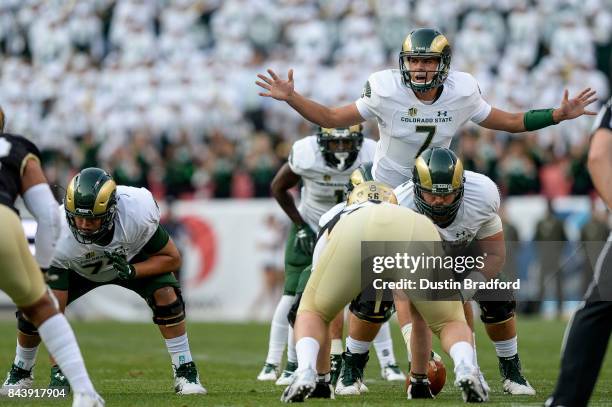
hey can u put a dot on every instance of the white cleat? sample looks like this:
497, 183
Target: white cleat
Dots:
87, 400
285, 378
484, 383
187, 380
469, 382
515, 388
17, 378
304, 382
353, 389
269, 373
392, 373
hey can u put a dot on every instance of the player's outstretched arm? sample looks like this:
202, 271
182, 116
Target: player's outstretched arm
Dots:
538, 119
324, 116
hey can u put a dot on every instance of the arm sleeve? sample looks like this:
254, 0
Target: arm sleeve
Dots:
42, 205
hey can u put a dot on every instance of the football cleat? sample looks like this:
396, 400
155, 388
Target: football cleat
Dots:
392, 373
419, 389
17, 378
513, 381
322, 390
58, 380
286, 377
268, 373
336, 365
187, 380
467, 379
87, 400
483, 381
304, 383
350, 381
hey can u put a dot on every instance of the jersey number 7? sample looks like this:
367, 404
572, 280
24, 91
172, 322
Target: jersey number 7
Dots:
430, 130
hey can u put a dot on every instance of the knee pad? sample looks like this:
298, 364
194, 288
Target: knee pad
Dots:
370, 311
495, 312
169, 314
24, 326
292, 314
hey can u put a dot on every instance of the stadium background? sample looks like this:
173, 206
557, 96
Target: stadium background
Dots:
161, 94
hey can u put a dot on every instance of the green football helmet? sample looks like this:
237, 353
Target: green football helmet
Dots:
425, 43
91, 194
438, 171
361, 174
340, 146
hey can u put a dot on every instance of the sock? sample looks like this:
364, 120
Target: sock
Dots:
178, 348
462, 353
407, 334
291, 355
324, 378
25, 357
475, 361
307, 350
384, 346
355, 346
278, 330
507, 348
59, 339
336, 347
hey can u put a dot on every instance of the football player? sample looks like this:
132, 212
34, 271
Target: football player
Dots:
22, 279
422, 104
323, 163
464, 207
371, 214
111, 235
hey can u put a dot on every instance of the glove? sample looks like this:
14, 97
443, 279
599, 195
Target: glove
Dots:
125, 271
305, 240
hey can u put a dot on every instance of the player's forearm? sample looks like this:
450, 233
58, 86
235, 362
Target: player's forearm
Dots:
493, 265
313, 111
287, 203
156, 265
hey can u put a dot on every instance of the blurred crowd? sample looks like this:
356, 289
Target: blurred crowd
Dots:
162, 93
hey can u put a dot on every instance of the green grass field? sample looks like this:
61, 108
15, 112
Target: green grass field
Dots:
130, 367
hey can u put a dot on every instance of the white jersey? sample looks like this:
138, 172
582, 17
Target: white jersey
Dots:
136, 221
477, 216
323, 186
408, 126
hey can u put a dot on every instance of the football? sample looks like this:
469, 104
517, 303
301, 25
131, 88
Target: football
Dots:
436, 373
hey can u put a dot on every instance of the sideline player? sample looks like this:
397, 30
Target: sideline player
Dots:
22, 279
371, 214
422, 104
111, 235
588, 333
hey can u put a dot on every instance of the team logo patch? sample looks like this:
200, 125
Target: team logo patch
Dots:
412, 111
326, 178
367, 90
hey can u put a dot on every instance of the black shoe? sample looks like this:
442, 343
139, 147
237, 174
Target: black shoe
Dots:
419, 389
323, 390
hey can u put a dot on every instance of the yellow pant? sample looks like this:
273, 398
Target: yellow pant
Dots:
336, 276
20, 276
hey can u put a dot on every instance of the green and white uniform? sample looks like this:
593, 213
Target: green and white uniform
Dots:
137, 235
323, 187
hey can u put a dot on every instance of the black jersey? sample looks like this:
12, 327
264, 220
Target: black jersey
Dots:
14, 153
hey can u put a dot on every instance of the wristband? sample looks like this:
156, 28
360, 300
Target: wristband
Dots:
538, 119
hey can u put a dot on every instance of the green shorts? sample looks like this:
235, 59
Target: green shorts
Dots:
295, 262
77, 285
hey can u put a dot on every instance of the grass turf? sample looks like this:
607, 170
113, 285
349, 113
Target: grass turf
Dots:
130, 366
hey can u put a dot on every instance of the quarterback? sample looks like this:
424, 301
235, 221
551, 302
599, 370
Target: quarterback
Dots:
111, 235
371, 214
323, 162
421, 104
21, 175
